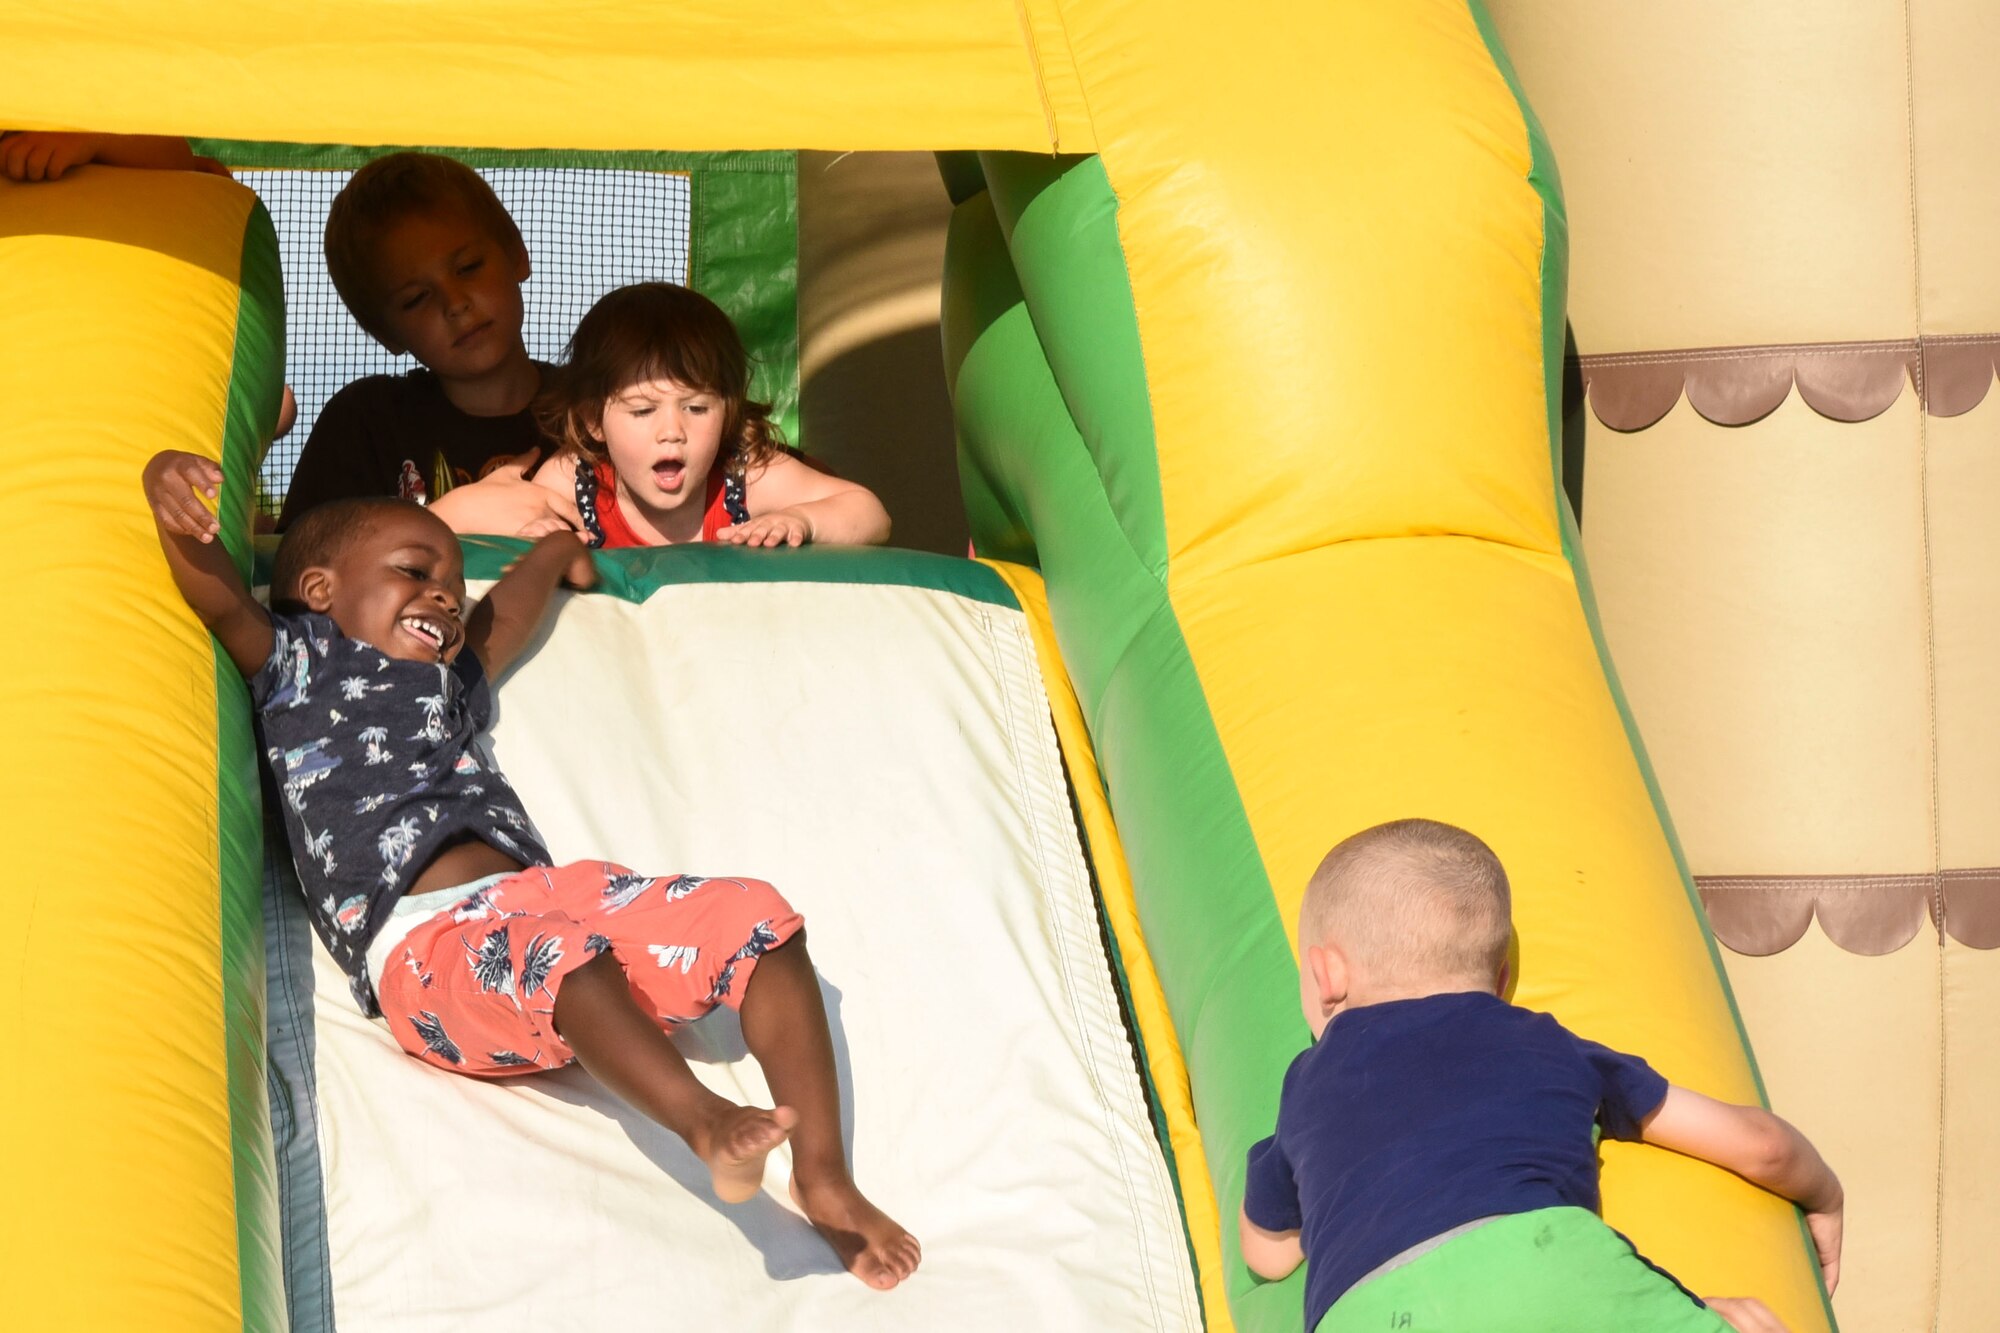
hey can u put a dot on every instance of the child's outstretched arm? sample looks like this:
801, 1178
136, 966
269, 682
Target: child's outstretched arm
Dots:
792, 503
1762, 1149
39, 155
507, 503
201, 568
507, 617
1268, 1254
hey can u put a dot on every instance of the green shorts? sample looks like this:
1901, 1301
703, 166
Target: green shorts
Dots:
1555, 1270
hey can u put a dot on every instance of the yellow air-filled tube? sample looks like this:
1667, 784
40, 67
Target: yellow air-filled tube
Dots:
120, 321
695, 74
1351, 405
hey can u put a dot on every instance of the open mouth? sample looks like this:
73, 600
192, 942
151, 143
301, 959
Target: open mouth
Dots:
433, 634
668, 474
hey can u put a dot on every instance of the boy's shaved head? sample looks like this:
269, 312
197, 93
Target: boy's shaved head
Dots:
1413, 902
322, 533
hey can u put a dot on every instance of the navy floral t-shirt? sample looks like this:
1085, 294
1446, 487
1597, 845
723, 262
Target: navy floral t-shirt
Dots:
379, 768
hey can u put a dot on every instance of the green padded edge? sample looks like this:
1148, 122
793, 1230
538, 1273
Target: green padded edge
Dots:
1547, 183
636, 573
743, 242
961, 173
1203, 892
255, 383
1060, 218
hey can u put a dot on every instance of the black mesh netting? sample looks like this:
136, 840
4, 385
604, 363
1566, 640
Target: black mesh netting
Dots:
587, 229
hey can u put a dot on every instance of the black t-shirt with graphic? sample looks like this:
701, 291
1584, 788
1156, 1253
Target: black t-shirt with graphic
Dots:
382, 433
379, 767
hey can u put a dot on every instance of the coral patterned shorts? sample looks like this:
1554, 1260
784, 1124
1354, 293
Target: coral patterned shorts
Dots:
472, 988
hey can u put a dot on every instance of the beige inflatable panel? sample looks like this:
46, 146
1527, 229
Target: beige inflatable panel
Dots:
1964, 455
1773, 198
1954, 57
1762, 593
1969, 1279
1777, 126
1850, 1051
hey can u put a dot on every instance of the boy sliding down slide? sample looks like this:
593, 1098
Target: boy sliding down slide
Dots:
1434, 1161
430, 887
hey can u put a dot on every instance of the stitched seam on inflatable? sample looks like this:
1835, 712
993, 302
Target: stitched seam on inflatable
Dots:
1016, 744
1930, 672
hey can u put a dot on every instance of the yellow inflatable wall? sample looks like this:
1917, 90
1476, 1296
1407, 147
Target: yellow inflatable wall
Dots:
137, 1142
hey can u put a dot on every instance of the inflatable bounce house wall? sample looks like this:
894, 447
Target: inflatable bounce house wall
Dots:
1264, 463
1786, 297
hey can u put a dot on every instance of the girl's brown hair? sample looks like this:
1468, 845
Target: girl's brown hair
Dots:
656, 331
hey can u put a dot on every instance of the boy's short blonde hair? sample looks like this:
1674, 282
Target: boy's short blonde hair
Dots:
385, 192
1413, 902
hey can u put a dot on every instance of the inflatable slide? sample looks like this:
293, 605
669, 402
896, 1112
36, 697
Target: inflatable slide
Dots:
871, 730
1269, 454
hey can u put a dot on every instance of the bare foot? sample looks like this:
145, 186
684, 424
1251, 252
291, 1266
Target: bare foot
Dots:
869, 1242
737, 1144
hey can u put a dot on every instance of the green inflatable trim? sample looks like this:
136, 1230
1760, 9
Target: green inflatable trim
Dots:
744, 257
744, 242
964, 178
637, 573
1060, 219
1547, 183
1204, 897
255, 383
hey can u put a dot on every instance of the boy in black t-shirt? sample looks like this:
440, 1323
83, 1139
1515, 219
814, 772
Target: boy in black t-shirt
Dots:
1434, 1156
429, 262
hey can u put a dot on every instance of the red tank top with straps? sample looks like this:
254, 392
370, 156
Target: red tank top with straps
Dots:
715, 515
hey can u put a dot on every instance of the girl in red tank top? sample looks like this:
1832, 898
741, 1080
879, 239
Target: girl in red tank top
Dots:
659, 441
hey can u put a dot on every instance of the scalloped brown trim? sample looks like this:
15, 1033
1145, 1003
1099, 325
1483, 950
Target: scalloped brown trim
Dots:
1865, 914
1734, 386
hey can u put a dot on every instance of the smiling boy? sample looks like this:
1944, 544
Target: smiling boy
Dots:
370, 675
429, 262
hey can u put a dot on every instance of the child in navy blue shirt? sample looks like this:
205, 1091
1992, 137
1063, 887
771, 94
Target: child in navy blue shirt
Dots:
1434, 1154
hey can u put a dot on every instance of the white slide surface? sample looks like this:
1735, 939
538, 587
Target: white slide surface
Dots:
883, 755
